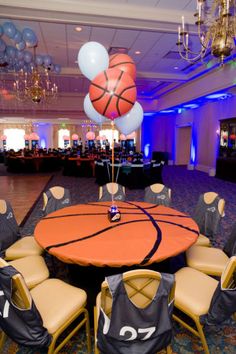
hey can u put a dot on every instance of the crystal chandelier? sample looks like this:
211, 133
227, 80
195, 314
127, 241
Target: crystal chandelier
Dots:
35, 86
216, 31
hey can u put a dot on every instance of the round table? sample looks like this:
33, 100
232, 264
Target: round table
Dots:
146, 233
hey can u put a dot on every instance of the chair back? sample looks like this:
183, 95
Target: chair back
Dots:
106, 191
20, 318
228, 277
56, 198
208, 213
144, 300
9, 229
230, 245
141, 286
158, 194
223, 302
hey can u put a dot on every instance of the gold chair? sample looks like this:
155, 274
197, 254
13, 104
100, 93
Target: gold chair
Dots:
141, 285
209, 197
33, 269
157, 188
208, 260
58, 192
112, 188
60, 306
193, 293
25, 246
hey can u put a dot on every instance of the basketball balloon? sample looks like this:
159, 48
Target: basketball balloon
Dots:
123, 62
112, 93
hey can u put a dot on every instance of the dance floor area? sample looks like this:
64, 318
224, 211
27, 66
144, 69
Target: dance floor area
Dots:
186, 187
22, 192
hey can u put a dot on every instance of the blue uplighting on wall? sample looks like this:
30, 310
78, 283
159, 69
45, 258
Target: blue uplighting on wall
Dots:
193, 147
43, 143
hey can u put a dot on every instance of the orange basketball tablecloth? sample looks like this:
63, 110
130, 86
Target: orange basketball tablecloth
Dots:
146, 233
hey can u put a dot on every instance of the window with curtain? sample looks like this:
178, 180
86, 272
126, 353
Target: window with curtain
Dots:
15, 138
108, 134
61, 133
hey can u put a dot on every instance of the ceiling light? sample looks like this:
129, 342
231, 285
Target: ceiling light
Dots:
217, 95
176, 67
191, 105
167, 111
78, 29
137, 52
216, 30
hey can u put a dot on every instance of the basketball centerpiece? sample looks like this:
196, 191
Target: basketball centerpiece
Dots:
112, 94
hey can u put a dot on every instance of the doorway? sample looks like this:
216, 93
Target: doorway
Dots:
182, 145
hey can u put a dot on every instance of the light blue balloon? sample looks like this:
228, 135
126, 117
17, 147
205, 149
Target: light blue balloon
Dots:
32, 43
29, 37
9, 29
20, 46
92, 59
91, 112
39, 59
19, 54
17, 37
57, 68
28, 57
21, 64
2, 45
6, 58
1, 31
11, 51
130, 121
47, 59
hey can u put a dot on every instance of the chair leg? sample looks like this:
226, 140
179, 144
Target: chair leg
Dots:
88, 335
3, 338
96, 351
202, 337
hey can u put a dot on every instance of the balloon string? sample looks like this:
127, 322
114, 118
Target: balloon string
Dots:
112, 163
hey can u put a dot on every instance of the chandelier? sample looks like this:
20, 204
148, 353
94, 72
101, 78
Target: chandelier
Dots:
35, 85
216, 31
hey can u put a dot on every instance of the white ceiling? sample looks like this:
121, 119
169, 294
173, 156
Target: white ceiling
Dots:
148, 26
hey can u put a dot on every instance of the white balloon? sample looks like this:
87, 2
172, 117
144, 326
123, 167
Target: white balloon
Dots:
91, 111
131, 120
92, 59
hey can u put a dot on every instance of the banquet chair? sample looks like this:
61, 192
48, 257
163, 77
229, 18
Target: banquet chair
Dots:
209, 221
12, 244
106, 191
56, 198
193, 296
156, 172
61, 307
33, 269
211, 260
141, 286
158, 194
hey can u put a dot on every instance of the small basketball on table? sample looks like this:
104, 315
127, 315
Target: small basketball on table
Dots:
113, 93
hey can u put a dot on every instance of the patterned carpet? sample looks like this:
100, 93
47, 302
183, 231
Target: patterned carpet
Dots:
186, 187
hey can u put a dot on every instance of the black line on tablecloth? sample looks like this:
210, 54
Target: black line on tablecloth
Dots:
158, 237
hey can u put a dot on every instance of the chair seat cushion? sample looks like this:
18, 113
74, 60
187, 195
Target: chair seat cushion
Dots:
26, 246
202, 241
49, 297
33, 269
208, 260
193, 291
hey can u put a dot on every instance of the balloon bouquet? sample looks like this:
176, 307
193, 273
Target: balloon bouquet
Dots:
112, 92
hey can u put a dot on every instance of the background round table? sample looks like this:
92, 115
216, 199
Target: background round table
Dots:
146, 233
